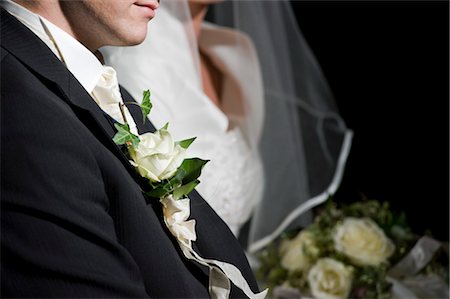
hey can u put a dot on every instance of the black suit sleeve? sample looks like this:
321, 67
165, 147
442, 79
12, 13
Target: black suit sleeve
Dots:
57, 238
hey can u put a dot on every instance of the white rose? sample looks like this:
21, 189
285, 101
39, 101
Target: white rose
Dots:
362, 241
330, 279
297, 253
157, 157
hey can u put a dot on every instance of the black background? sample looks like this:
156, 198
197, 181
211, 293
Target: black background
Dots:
387, 65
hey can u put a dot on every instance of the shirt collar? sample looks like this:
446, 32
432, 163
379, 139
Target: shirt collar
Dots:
81, 62
28, 18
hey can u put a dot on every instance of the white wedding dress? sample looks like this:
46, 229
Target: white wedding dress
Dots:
233, 181
291, 123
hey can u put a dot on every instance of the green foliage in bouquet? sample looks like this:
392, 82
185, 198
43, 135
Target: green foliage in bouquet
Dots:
346, 252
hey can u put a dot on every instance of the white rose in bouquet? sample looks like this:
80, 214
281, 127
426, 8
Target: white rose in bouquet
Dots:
330, 279
363, 241
157, 156
296, 254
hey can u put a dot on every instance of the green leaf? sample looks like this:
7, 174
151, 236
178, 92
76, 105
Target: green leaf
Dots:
146, 104
166, 126
188, 171
186, 143
184, 190
177, 179
124, 136
157, 193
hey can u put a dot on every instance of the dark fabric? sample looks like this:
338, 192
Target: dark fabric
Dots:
74, 222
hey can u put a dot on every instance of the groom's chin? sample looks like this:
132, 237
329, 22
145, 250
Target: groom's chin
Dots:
136, 41
137, 34
132, 38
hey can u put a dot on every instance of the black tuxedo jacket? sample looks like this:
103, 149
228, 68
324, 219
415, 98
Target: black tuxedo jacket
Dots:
74, 222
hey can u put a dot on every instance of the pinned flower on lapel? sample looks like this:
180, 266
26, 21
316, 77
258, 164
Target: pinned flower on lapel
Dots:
157, 157
161, 160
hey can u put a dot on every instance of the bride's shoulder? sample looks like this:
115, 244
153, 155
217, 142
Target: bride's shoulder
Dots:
224, 34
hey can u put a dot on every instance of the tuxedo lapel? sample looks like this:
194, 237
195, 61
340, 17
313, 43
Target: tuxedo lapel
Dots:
22, 43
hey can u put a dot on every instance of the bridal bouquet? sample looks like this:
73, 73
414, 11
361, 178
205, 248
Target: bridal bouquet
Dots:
348, 252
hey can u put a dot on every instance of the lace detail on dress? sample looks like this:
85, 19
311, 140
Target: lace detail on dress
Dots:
232, 182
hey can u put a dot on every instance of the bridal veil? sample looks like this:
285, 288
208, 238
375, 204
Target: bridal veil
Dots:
302, 140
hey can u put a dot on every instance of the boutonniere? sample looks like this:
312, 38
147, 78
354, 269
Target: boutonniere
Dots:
159, 159
171, 177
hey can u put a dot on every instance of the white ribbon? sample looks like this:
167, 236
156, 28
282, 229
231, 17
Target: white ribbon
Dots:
419, 256
407, 283
176, 213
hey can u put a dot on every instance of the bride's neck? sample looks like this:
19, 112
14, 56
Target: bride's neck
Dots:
198, 13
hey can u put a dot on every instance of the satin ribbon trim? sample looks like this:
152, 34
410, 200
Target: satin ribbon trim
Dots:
221, 274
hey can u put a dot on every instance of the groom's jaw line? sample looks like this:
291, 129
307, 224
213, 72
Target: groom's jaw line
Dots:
98, 23
111, 23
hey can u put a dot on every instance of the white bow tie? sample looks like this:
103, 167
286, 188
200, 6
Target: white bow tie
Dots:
107, 96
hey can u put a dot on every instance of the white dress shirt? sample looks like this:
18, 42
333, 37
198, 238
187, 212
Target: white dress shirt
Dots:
98, 80
81, 62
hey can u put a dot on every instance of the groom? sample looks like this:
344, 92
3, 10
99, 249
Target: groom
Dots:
74, 222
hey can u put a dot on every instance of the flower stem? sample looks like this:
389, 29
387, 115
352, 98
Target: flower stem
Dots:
123, 113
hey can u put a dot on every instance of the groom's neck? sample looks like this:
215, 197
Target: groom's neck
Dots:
51, 10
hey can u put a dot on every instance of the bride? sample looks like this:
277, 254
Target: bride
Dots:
254, 96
